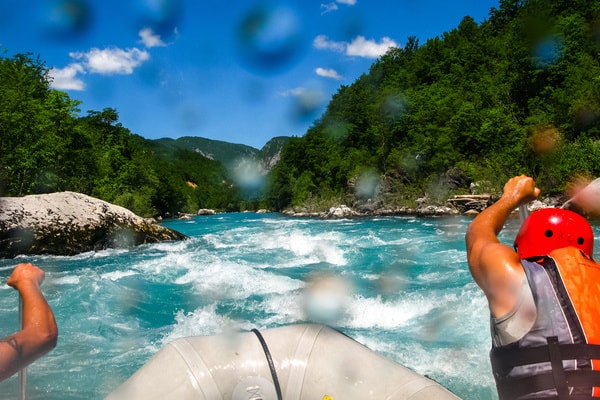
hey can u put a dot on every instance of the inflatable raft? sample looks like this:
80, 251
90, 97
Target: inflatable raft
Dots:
309, 362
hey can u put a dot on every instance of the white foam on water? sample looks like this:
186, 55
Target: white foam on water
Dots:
204, 321
282, 309
235, 280
116, 275
242, 272
320, 248
379, 314
175, 246
66, 280
168, 265
310, 247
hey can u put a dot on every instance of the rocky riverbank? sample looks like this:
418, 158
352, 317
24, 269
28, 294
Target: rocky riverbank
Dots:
69, 223
456, 205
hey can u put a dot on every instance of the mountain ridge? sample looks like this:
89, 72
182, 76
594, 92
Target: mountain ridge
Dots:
232, 155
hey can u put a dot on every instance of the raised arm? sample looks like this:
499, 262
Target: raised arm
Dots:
39, 332
496, 267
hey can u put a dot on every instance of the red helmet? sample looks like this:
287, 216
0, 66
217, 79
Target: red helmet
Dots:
553, 228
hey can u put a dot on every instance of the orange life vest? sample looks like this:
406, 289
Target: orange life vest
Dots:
560, 354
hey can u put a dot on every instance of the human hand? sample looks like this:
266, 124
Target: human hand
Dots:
521, 189
25, 273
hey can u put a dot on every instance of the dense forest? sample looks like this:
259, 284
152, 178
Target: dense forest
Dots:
47, 147
518, 93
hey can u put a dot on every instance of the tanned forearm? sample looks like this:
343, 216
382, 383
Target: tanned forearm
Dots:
38, 336
496, 267
38, 320
488, 224
39, 332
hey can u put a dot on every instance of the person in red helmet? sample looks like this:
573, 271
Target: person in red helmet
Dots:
543, 297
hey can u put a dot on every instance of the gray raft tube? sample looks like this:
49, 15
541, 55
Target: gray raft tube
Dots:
304, 362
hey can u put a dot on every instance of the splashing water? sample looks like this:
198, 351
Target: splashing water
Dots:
401, 287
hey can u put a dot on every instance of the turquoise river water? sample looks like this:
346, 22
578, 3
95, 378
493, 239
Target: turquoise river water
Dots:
407, 294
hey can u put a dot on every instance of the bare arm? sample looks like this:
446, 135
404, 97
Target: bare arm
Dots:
496, 267
39, 333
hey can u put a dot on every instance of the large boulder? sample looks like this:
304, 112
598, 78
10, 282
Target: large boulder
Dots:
69, 223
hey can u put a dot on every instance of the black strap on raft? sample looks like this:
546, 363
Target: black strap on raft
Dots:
582, 379
270, 362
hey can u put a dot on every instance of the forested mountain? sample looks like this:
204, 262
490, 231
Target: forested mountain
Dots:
519, 93
246, 166
46, 147
231, 155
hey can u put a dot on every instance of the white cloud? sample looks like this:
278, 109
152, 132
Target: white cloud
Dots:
65, 78
303, 93
150, 39
328, 73
322, 42
332, 6
108, 61
295, 92
329, 7
112, 61
369, 48
360, 46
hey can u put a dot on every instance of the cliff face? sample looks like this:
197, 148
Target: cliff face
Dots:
69, 223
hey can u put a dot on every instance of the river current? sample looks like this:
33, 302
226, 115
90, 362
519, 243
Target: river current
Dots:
403, 290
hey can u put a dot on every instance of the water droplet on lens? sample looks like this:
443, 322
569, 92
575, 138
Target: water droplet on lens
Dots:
162, 16
394, 107
367, 184
307, 104
269, 38
547, 51
67, 19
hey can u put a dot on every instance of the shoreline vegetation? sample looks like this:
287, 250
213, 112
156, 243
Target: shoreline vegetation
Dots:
468, 205
69, 223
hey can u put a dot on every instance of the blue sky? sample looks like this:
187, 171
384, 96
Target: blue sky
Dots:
238, 71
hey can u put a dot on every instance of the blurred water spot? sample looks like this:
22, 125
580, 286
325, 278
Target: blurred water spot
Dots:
367, 184
547, 51
163, 16
352, 26
253, 91
394, 107
586, 116
189, 116
248, 174
326, 298
576, 183
393, 280
544, 139
337, 130
66, 19
306, 104
435, 322
269, 38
